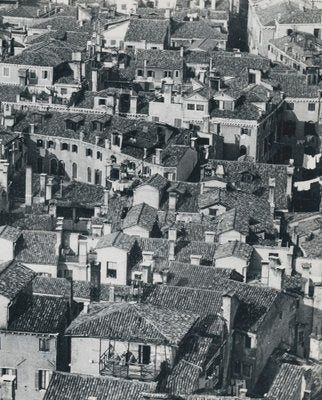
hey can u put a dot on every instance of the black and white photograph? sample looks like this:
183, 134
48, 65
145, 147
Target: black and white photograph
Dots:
160, 199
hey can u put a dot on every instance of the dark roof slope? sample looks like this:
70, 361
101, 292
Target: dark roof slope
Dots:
133, 322
141, 215
169, 59
196, 30
43, 315
14, 277
65, 386
287, 383
9, 233
116, 239
153, 31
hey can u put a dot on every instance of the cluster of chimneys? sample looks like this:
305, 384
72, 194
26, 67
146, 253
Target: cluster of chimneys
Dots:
273, 273
45, 190
47, 10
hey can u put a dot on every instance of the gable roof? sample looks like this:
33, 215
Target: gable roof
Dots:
170, 59
38, 247
14, 277
66, 386
9, 233
117, 239
43, 315
287, 383
196, 30
133, 322
153, 31
235, 249
142, 215
157, 181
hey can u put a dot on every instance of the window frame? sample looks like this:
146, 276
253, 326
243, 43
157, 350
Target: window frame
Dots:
44, 344
111, 273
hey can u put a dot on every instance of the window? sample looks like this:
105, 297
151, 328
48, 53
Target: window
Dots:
89, 152
176, 74
74, 171
89, 175
32, 74
316, 33
212, 211
311, 107
151, 74
44, 344
61, 168
42, 379
245, 131
200, 107
281, 315
123, 6
144, 354
113, 42
248, 342
190, 106
97, 126
140, 72
228, 105
40, 143
155, 119
167, 74
44, 74
218, 129
290, 106
111, 270
101, 102
177, 122
10, 372
64, 146
51, 144
281, 57
99, 155
247, 370
74, 148
5, 71
63, 91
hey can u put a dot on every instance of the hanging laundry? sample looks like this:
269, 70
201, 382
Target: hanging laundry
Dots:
309, 162
305, 185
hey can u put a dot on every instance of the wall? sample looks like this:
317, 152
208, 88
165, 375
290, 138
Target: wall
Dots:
13, 77
86, 353
21, 352
43, 269
146, 194
284, 253
4, 304
316, 270
231, 236
115, 33
119, 256
7, 250
166, 112
137, 231
232, 262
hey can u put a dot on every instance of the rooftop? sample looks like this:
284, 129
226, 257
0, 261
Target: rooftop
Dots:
170, 59
9, 233
116, 239
14, 277
133, 322
141, 215
151, 30
65, 386
287, 383
313, 246
196, 30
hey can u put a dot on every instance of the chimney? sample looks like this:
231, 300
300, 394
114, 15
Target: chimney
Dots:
97, 139
34, 98
49, 188
207, 151
193, 142
59, 230
306, 273
82, 251
97, 211
290, 173
86, 307
210, 237
145, 153
205, 124
158, 156
7, 387
70, 298
242, 393
167, 13
195, 259
181, 51
165, 275
107, 227
271, 194
276, 273
43, 181
133, 102
172, 246
106, 199
230, 304
28, 194
172, 234
107, 144
265, 272
111, 294
18, 98
94, 80
32, 129
147, 256
172, 201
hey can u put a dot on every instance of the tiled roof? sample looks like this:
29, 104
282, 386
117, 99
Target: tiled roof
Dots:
287, 383
307, 16
183, 274
133, 322
65, 386
196, 30
234, 172
313, 247
116, 239
43, 315
141, 215
172, 155
21, 12
234, 249
38, 247
62, 23
153, 31
60, 287
255, 301
157, 181
187, 193
267, 15
81, 194
295, 85
160, 247
14, 277
9, 233
9, 92
166, 59
185, 249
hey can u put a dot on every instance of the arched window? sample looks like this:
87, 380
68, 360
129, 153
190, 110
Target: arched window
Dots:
64, 146
51, 144
39, 165
40, 143
98, 177
89, 175
99, 155
242, 151
74, 171
89, 152
53, 166
74, 148
61, 168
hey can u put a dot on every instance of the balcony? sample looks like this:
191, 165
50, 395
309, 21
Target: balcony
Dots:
118, 366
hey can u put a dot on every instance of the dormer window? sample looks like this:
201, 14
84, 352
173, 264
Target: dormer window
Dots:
116, 139
97, 126
102, 102
228, 105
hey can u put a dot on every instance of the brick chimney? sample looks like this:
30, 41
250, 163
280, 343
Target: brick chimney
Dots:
276, 273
